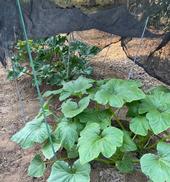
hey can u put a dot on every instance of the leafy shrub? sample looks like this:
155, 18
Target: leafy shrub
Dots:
160, 14
55, 60
89, 129
157, 10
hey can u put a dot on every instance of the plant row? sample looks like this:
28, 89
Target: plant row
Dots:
86, 127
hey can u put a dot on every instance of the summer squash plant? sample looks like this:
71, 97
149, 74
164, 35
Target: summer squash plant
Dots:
86, 127
55, 60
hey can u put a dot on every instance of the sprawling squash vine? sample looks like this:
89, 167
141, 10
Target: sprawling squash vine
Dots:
89, 128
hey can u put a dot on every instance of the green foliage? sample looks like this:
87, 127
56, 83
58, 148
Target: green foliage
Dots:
94, 141
117, 92
67, 133
47, 149
89, 129
17, 71
37, 167
128, 144
102, 117
152, 113
71, 109
140, 125
125, 165
34, 131
62, 172
55, 60
75, 88
157, 167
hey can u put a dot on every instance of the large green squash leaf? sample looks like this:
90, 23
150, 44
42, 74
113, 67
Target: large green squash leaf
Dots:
34, 131
62, 172
93, 141
158, 89
140, 125
157, 167
36, 167
66, 133
52, 92
156, 106
159, 121
71, 109
102, 117
157, 100
75, 87
117, 92
47, 148
157, 109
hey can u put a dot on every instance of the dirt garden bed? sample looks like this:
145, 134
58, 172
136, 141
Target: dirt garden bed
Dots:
14, 161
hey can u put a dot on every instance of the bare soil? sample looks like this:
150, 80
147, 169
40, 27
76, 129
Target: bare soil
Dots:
14, 160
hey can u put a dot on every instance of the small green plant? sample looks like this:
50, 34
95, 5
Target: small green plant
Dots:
55, 60
88, 128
